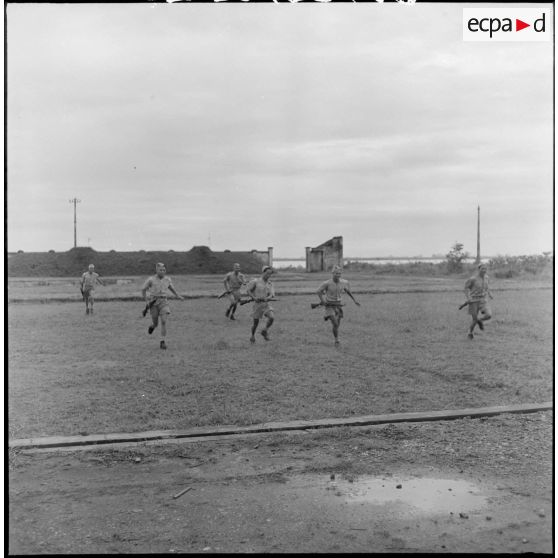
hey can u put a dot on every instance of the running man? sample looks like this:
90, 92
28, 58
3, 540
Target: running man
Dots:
154, 291
87, 286
330, 292
476, 291
261, 290
234, 280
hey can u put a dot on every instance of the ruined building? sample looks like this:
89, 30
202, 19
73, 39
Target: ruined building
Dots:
326, 255
265, 256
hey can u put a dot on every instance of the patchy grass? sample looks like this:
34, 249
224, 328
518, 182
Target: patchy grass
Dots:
70, 373
66, 289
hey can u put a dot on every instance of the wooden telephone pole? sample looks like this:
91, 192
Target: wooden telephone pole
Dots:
75, 201
477, 261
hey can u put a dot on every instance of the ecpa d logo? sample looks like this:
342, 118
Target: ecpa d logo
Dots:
507, 24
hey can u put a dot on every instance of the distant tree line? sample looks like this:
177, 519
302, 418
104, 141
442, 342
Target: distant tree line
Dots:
456, 263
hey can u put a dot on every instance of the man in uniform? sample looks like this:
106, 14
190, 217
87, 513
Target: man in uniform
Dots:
261, 290
155, 292
476, 291
330, 292
87, 286
234, 280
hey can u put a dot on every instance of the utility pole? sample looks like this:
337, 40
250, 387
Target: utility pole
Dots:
478, 236
75, 201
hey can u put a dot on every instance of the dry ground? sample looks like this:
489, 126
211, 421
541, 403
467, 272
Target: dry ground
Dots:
469, 485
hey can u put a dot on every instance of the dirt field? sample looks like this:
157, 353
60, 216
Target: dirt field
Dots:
73, 374
70, 373
470, 485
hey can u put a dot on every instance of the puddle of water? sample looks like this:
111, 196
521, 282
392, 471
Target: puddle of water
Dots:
430, 495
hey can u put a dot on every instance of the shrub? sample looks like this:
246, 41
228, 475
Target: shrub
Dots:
455, 258
508, 274
403, 268
512, 266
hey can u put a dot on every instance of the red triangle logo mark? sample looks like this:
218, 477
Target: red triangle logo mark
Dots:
519, 25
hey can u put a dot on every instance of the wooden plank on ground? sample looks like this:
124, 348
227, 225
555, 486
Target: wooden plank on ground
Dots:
370, 420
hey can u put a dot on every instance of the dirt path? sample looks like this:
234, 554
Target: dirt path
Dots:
468, 485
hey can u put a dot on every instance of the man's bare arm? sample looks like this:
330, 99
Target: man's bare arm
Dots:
467, 289
250, 290
320, 292
348, 291
173, 291
146, 286
271, 291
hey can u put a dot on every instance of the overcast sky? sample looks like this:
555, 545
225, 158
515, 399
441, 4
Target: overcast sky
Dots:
244, 126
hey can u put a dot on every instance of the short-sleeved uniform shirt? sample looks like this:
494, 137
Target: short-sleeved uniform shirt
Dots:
478, 290
157, 291
333, 292
89, 281
234, 282
260, 290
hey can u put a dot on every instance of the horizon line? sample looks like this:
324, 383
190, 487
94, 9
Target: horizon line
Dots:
280, 258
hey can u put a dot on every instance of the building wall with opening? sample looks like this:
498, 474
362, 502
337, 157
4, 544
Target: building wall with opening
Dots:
265, 256
325, 256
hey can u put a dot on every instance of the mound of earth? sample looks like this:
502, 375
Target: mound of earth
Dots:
199, 260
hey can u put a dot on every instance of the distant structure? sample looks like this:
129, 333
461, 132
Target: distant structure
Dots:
325, 256
265, 256
477, 261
